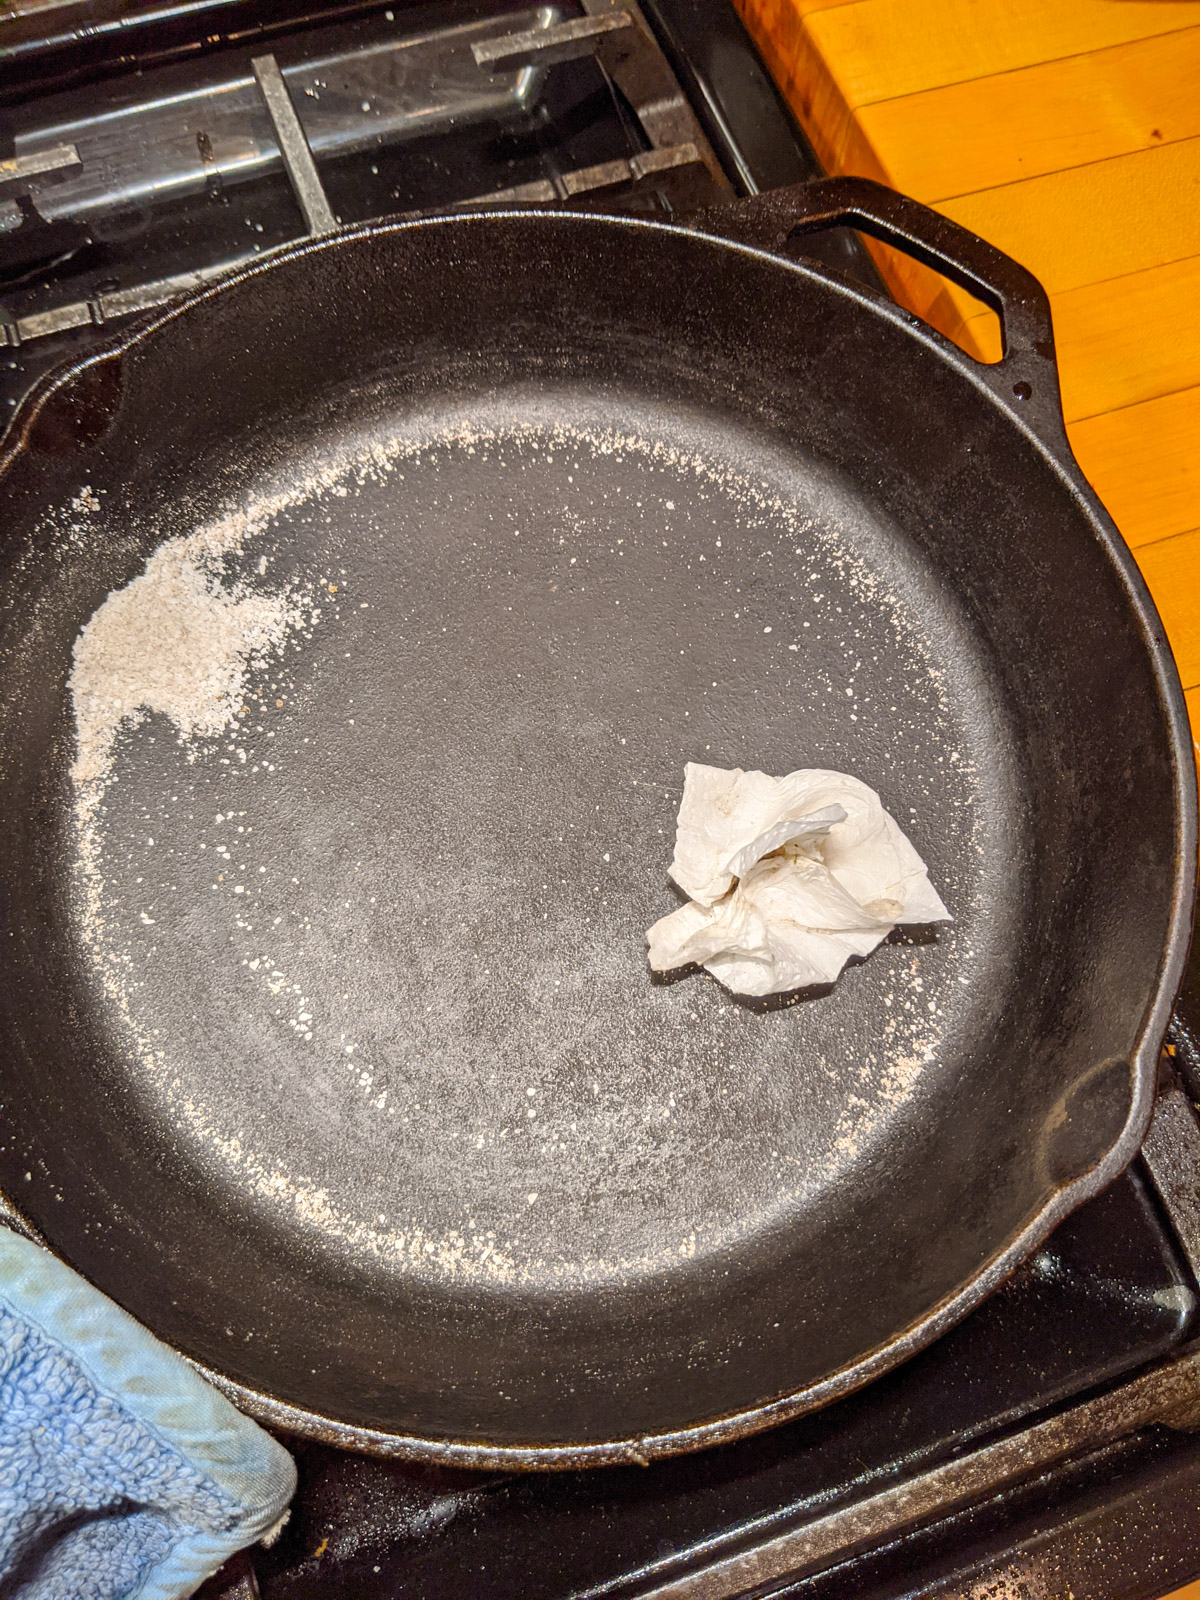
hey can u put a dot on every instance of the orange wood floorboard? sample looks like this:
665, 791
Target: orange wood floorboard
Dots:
881, 49
1093, 222
832, 61
980, 135
1068, 135
1144, 463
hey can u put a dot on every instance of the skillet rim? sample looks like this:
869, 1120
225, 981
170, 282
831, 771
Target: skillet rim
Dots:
922, 1331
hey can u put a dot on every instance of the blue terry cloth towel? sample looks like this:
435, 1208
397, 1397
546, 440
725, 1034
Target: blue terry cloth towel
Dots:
123, 1474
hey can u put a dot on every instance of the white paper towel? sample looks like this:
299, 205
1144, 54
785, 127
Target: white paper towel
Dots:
788, 878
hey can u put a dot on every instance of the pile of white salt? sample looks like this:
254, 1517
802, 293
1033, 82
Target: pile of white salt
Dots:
179, 640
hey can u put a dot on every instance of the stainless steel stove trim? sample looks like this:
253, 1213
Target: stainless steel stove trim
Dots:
149, 296
543, 189
119, 303
17, 172
618, 34
566, 41
140, 150
1168, 1394
672, 170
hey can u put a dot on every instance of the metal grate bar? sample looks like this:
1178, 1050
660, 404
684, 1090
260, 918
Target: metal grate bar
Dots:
293, 147
20, 170
566, 41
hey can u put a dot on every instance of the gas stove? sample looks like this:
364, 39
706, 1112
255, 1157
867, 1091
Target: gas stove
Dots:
148, 153
1039, 1449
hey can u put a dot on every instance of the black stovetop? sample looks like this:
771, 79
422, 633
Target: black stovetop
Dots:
1107, 1295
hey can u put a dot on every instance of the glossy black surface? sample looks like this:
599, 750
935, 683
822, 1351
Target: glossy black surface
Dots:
745, 117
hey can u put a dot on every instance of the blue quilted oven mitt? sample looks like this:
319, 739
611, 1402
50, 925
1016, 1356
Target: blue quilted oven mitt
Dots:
123, 1475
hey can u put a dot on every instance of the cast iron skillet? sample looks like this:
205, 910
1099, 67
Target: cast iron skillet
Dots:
330, 1050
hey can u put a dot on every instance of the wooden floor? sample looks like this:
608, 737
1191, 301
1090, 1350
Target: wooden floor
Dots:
1069, 135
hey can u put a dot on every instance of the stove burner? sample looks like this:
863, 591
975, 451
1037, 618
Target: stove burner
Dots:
166, 138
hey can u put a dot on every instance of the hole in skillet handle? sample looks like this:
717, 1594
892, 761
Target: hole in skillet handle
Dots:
79, 409
926, 292
963, 318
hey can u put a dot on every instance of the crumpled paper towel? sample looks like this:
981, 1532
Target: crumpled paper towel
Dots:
788, 878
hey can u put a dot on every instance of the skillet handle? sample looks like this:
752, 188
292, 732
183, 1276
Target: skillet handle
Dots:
1026, 376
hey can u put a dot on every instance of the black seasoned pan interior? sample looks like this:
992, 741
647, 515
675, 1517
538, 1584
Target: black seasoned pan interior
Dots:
330, 1049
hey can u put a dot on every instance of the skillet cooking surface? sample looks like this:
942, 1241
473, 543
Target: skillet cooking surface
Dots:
411, 916
385, 1114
